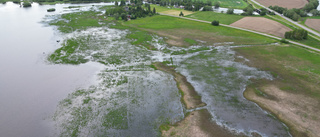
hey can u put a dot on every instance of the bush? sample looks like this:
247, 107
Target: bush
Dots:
216, 4
278, 9
272, 13
230, 11
51, 10
284, 41
207, 8
181, 14
298, 34
26, 4
215, 23
315, 12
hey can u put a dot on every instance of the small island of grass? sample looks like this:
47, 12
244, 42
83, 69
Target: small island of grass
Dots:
51, 10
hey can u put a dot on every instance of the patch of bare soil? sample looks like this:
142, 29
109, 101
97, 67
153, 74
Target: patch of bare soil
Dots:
175, 37
176, 12
297, 111
284, 3
313, 23
262, 25
197, 124
191, 99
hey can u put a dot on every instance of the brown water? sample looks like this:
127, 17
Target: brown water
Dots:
30, 88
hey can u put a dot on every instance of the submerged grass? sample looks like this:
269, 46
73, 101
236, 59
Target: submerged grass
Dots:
298, 73
79, 21
298, 69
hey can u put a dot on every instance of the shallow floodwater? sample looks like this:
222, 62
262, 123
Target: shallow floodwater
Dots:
120, 96
30, 88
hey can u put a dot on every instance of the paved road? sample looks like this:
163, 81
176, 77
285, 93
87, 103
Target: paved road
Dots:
260, 33
301, 26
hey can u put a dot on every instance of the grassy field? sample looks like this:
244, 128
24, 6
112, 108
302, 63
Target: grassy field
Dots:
171, 11
179, 29
221, 17
297, 75
236, 4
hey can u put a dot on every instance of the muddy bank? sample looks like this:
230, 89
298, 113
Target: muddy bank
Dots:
190, 97
198, 122
293, 96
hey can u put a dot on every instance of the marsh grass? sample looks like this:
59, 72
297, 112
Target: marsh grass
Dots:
79, 21
297, 69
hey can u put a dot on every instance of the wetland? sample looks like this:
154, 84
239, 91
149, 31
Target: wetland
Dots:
82, 73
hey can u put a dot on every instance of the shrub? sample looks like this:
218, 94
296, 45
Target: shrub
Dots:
181, 14
284, 41
51, 10
215, 23
230, 11
216, 4
298, 34
207, 8
26, 4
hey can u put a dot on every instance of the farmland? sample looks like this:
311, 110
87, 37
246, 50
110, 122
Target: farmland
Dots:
313, 23
262, 25
210, 16
284, 3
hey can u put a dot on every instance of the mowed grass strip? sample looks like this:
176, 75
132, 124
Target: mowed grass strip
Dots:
221, 17
197, 30
236, 4
171, 10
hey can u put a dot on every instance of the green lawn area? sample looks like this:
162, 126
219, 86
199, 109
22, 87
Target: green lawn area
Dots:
171, 11
236, 4
221, 17
202, 31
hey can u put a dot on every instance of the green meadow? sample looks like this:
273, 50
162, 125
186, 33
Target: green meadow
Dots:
221, 17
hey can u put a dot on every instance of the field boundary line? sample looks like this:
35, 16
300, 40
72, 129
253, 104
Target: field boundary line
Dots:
260, 33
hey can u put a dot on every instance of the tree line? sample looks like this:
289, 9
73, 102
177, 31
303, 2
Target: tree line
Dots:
296, 14
133, 11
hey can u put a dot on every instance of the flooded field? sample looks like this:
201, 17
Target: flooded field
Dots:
95, 82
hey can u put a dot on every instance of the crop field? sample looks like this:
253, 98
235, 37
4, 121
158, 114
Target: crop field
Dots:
313, 23
284, 3
262, 25
221, 17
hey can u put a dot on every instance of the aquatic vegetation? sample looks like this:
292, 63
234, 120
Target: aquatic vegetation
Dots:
79, 21
132, 98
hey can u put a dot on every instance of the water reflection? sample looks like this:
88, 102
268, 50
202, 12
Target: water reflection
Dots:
30, 88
